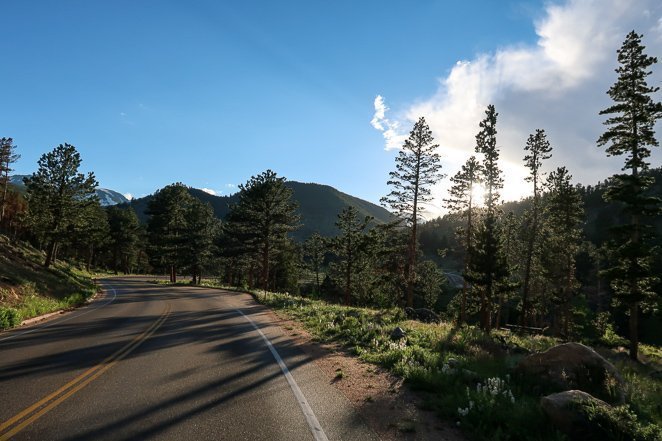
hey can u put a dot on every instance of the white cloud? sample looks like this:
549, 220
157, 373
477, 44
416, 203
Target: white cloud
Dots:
558, 84
389, 129
129, 196
209, 191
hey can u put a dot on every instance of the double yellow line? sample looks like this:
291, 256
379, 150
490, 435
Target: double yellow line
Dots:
29, 415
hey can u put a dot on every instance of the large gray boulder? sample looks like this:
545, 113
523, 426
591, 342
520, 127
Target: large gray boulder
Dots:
575, 366
565, 411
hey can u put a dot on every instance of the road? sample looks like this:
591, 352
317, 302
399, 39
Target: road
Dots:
148, 361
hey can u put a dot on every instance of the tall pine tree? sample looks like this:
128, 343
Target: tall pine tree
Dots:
563, 215
417, 169
488, 269
630, 132
56, 194
538, 149
8, 156
461, 200
348, 246
262, 217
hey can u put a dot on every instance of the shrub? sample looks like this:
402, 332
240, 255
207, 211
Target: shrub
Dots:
9, 317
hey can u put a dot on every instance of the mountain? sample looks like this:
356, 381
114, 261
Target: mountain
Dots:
106, 197
319, 206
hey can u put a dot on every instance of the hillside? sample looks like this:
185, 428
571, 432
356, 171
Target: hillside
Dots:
319, 206
27, 289
106, 197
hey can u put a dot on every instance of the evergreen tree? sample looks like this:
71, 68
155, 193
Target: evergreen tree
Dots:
125, 238
167, 227
631, 133
348, 246
56, 194
564, 216
538, 149
429, 283
461, 200
314, 250
488, 271
8, 156
262, 217
93, 233
417, 170
202, 229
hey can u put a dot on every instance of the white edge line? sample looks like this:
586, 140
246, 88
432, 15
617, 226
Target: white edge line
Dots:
313, 424
54, 322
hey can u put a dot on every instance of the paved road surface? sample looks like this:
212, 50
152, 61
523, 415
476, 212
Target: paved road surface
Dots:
177, 363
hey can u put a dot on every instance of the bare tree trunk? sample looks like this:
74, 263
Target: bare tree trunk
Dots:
50, 252
634, 330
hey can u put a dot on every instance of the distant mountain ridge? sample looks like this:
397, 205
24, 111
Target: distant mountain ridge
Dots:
319, 206
106, 197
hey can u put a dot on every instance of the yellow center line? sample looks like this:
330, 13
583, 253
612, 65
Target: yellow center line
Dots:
49, 402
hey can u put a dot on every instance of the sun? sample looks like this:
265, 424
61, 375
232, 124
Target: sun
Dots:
477, 195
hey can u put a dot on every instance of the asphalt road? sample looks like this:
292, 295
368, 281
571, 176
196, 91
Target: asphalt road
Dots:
146, 361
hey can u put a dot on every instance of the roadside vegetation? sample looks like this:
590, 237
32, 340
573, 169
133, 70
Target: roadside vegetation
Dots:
27, 289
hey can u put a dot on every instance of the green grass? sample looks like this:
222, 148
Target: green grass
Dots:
466, 375
27, 289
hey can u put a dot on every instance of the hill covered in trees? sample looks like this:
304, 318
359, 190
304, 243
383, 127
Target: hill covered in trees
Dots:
318, 207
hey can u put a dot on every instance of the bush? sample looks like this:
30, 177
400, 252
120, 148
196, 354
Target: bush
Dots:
9, 317
621, 424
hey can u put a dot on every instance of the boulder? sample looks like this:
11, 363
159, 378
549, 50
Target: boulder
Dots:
398, 333
422, 314
575, 366
566, 411
427, 315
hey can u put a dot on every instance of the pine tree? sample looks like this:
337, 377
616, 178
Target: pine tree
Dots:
56, 194
631, 133
314, 249
167, 227
563, 215
348, 246
124, 237
488, 271
262, 217
202, 229
461, 200
538, 149
417, 170
8, 156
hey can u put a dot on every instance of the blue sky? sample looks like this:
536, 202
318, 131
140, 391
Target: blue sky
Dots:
210, 93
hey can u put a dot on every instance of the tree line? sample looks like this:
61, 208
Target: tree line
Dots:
521, 266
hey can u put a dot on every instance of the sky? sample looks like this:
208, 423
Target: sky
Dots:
209, 93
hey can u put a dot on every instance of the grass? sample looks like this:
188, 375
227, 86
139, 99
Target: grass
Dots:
27, 289
467, 376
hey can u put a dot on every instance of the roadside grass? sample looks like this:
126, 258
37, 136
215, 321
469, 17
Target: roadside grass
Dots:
465, 375
27, 289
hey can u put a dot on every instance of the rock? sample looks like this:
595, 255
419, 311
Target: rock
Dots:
564, 410
427, 315
471, 375
453, 362
398, 333
422, 314
575, 366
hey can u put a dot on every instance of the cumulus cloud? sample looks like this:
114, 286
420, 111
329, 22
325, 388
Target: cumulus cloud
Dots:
390, 129
129, 196
557, 84
209, 191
